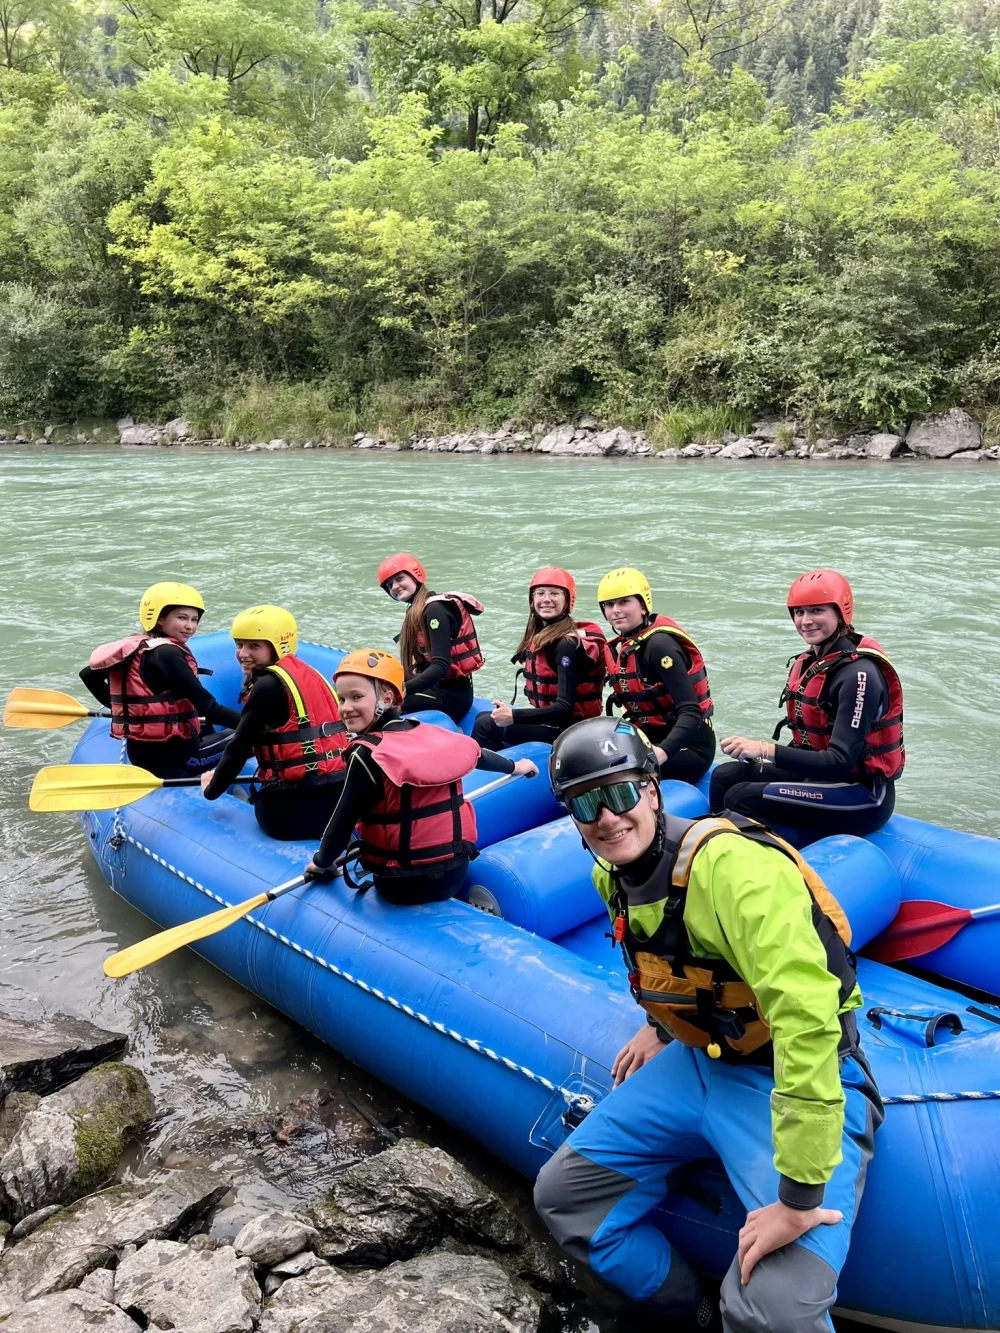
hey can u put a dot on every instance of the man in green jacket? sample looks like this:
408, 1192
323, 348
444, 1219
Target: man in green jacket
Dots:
750, 1052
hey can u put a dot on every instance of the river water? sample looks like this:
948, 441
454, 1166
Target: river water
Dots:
85, 530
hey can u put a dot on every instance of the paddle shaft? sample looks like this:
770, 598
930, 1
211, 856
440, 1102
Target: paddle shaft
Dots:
491, 786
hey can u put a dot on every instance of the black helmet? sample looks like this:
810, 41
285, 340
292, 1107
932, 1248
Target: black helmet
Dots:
597, 747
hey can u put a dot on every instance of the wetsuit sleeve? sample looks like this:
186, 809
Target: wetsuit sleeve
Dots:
363, 786
439, 638
748, 905
564, 656
491, 762
98, 684
167, 670
856, 695
665, 661
266, 706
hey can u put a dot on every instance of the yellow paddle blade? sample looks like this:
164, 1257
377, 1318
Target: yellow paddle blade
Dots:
126, 961
90, 786
42, 710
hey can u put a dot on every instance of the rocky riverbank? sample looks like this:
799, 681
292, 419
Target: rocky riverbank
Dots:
947, 435
402, 1239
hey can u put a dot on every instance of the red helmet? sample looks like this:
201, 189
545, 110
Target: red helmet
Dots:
400, 563
823, 587
551, 576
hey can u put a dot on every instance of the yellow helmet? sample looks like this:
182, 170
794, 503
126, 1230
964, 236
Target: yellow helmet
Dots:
625, 583
272, 624
375, 664
161, 595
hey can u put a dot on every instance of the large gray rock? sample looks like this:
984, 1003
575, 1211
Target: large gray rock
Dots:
70, 1312
883, 446
968, 456
738, 449
90, 1233
436, 1293
144, 433
616, 441
271, 1237
945, 434
177, 429
40, 1055
101, 1282
199, 1291
404, 1201
13, 1113
72, 1141
558, 441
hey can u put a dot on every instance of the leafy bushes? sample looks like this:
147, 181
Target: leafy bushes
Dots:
245, 238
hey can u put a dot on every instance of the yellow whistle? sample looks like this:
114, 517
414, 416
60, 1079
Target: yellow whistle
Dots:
714, 1050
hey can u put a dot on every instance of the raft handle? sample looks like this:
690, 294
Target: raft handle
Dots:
932, 1024
983, 1013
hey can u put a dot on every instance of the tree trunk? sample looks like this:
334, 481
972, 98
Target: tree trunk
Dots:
472, 133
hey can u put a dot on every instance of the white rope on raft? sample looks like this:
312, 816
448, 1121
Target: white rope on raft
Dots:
578, 1101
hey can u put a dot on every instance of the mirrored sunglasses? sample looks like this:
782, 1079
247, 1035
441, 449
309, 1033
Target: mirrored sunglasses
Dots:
619, 798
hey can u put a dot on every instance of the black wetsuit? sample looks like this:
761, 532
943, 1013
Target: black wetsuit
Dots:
165, 670
428, 688
286, 811
690, 743
567, 659
818, 790
364, 786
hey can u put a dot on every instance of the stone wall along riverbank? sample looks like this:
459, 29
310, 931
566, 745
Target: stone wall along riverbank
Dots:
953, 435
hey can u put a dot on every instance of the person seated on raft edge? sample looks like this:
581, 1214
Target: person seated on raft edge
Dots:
563, 668
657, 675
290, 723
844, 705
438, 645
150, 683
417, 848
732, 943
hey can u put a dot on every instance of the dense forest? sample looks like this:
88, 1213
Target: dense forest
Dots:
315, 215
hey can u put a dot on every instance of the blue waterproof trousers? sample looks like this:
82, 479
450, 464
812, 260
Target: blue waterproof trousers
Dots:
597, 1191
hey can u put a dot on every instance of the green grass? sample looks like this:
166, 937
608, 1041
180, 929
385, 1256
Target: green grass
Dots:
696, 425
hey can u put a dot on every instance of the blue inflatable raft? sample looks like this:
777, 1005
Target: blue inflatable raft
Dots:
501, 1020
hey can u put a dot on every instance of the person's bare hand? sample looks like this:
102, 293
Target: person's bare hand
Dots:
206, 777
636, 1053
768, 1229
503, 714
526, 768
742, 747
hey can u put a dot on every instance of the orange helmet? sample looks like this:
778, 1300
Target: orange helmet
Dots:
374, 664
551, 576
823, 587
400, 563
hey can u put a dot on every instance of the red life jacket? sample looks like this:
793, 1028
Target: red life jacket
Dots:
310, 742
812, 724
466, 654
652, 706
541, 680
136, 711
422, 818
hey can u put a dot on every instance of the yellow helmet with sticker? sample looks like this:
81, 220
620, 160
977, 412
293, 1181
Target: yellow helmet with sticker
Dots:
157, 598
626, 582
270, 624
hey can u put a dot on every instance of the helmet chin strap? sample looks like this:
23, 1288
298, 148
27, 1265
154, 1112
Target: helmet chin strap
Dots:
379, 702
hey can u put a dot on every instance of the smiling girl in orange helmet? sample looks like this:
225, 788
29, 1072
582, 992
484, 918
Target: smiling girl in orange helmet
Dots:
291, 725
403, 789
150, 682
438, 644
562, 664
844, 705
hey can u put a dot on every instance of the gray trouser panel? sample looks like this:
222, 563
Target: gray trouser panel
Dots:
789, 1291
574, 1195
